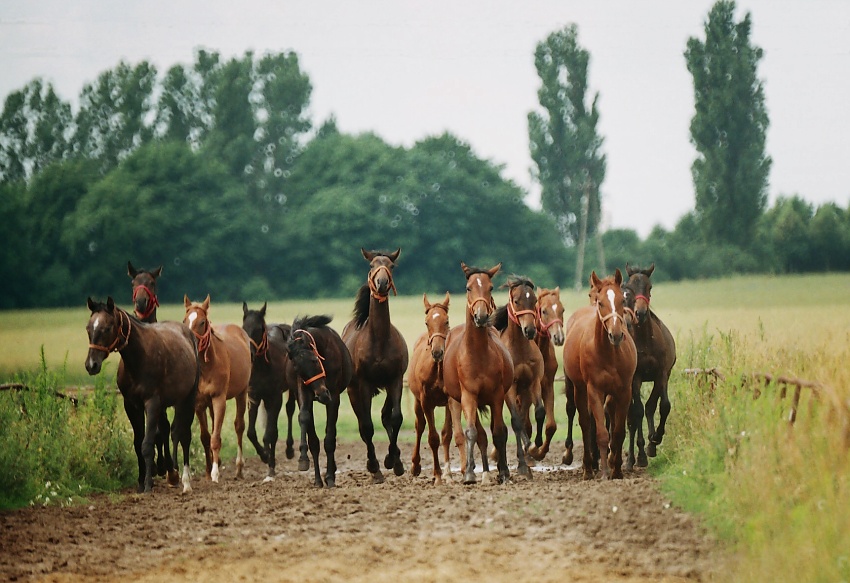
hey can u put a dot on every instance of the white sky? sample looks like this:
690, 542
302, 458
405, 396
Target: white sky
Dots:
407, 70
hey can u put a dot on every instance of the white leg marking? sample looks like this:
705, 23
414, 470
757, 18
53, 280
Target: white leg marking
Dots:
214, 474
187, 486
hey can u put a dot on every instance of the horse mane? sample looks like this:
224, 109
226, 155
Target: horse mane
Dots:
304, 322
517, 280
361, 306
499, 318
473, 270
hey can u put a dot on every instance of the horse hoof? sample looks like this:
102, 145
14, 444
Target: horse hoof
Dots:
388, 462
303, 465
268, 479
173, 479
503, 478
290, 453
372, 467
398, 468
377, 478
330, 483
642, 462
469, 478
650, 449
415, 470
568, 458
587, 475
524, 471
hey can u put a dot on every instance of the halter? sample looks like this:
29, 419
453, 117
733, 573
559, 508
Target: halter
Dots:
514, 315
152, 302
373, 287
261, 349
543, 329
118, 337
642, 297
312, 343
490, 306
438, 334
604, 319
203, 339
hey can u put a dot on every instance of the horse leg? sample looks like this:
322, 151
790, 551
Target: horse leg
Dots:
273, 405
153, 408
361, 402
500, 437
585, 421
419, 422
239, 427
181, 431
597, 410
434, 444
452, 426
330, 440
392, 418
163, 452
651, 404
308, 428
655, 436
136, 416
291, 401
203, 423
470, 413
253, 409
482, 445
619, 408
518, 425
636, 427
549, 411
219, 406
570, 391
542, 415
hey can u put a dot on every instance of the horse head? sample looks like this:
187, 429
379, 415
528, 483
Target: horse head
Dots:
108, 330
550, 314
638, 290
197, 319
254, 324
609, 305
145, 301
522, 305
479, 292
437, 324
305, 357
381, 267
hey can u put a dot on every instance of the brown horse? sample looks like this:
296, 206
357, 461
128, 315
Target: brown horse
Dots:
379, 354
600, 361
478, 370
322, 365
517, 324
145, 303
550, 333
159, 368
268, 383
656, 355
225, 371
425, 379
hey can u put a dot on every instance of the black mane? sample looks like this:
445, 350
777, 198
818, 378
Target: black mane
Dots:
304, 322
499, 318
361, 306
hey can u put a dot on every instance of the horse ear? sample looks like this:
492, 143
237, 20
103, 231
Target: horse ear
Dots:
426, 302
186, 302
618, 277
90, 304
131, 271
494, 270
367, 255
157, 272
630, 270
263, 309
446, 301
394, 256
651, 269
110, 304
557, 290
594, 279
465, 269
207, 303
244, 308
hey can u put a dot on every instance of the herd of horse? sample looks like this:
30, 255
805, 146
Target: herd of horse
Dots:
499, 355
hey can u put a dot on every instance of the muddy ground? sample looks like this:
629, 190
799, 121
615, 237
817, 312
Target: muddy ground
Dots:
555, 527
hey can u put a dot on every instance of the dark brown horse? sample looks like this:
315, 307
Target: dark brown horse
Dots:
478, 371
600, 361
379, 355
225, 371
550, 333
425, 379
268, 383
517, 325
656, 355
159, 368
322, 365
145, 303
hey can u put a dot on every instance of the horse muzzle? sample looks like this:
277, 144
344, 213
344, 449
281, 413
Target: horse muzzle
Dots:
93, 365
616, 337
323, 395
437, 354
529, 332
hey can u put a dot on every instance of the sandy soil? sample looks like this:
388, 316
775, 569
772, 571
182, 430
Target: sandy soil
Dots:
555, 527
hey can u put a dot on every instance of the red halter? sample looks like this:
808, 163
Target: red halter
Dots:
152, 302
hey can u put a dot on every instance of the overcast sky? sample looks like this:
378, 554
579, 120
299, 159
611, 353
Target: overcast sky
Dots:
407, 70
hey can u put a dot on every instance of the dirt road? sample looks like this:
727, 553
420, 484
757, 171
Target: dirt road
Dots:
555, 527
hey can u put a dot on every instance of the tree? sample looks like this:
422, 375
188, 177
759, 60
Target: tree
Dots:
565, 145
728, 129
34, 130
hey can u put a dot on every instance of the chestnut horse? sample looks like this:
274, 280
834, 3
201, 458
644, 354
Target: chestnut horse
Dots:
478, 371
159, 368
425, 380
517, 324
321, 363
145, 303
225, 371
268, 383
600, 360
379, 355
550, 333
656, 355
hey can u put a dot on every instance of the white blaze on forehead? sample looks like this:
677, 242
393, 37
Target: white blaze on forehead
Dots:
480, 283
192, 317
435, 315
527, 295
611, 296
96, 322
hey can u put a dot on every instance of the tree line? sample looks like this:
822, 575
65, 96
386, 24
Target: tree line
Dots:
215, 171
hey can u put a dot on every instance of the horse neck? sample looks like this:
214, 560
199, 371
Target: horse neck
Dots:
544, 341
378, 322
135, 352
150, 319
473, 335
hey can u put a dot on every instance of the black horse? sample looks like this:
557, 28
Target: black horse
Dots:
145, 303
159, 368
322, 365
268, 383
